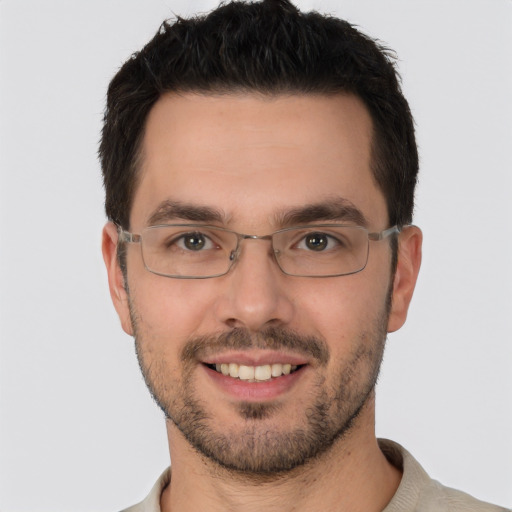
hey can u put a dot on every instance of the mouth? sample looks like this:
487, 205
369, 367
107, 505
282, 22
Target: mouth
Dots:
257, 376
261, 373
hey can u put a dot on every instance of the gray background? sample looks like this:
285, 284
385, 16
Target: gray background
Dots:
78, 430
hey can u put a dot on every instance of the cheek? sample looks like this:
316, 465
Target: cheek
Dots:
341, 310
169, 309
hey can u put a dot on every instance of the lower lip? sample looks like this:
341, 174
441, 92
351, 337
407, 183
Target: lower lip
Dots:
255, 391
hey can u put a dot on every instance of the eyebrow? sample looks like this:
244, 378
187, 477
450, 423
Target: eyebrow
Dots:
175, 210
332, 209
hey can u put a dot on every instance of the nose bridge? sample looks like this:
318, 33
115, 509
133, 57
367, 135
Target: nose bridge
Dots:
257, 237
256, 295
242, 240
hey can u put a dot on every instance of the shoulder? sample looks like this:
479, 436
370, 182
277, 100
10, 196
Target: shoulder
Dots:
152, 501
419, 493
439, 497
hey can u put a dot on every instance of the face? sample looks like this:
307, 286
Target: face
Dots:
254, 165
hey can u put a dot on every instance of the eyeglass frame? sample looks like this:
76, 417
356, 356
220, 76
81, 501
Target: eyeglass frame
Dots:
128, 237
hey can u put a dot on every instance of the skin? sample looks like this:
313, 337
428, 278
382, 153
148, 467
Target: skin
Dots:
255, 158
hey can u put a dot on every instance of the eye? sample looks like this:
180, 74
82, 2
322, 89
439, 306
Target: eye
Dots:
317, 242
194, 242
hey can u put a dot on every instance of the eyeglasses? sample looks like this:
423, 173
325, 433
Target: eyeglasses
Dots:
197, 251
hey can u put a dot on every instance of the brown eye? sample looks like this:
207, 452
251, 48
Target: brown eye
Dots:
317, 241
194, 241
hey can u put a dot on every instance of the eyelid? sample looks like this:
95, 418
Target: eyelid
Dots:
217, 236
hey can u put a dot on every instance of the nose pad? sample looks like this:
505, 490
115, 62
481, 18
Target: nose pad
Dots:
234, 255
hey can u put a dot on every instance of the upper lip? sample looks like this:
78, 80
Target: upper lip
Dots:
255, 358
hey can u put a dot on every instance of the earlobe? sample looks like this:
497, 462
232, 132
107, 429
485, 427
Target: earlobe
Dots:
116, 282
408, 266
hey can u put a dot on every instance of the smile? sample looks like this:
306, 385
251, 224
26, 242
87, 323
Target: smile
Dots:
260, 373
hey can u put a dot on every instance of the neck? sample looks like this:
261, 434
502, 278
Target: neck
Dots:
353, 475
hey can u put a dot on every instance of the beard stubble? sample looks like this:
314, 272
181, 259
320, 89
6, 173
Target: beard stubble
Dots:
261, 447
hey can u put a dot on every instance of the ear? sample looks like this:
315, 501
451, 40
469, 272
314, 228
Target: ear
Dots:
115, 276
408, 266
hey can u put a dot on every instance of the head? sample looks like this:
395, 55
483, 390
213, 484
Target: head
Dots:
253, 119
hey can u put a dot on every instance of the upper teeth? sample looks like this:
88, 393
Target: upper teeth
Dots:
254, 373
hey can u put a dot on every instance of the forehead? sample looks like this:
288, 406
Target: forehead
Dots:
249, 155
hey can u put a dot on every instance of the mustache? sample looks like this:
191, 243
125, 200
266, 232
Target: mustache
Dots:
272, 338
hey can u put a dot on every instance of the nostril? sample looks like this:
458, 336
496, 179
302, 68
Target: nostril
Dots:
232, 323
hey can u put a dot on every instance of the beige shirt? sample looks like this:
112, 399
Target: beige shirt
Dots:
417, 492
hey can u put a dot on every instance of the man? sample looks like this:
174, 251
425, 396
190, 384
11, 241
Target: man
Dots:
260, 166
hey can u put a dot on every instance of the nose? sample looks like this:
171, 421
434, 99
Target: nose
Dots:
255, 293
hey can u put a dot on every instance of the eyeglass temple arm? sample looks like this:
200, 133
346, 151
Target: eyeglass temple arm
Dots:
384, 234
127, 237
